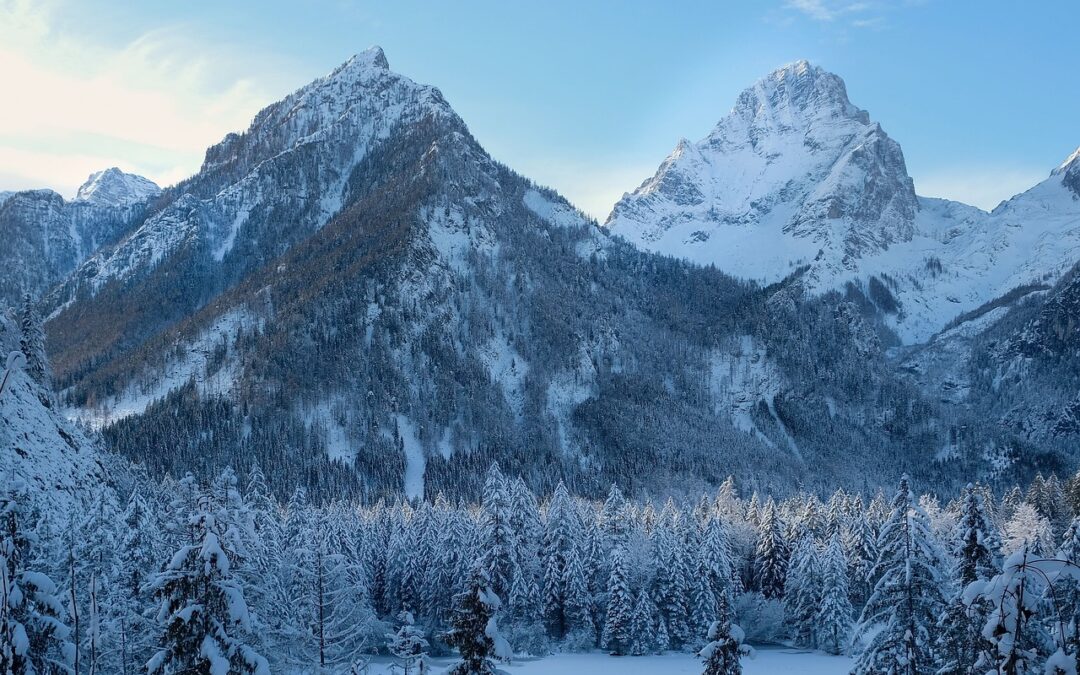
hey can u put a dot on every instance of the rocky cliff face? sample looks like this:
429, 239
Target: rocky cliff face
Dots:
46, 237
794, 175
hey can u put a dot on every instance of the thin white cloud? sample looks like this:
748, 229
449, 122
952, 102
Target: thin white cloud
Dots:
162, 94
855, 14
982, 186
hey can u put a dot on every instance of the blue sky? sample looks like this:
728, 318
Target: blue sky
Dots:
587, 97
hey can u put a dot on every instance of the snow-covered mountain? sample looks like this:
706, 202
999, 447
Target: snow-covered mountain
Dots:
797, 177
46, 237
113, 187
355, 295
794, 175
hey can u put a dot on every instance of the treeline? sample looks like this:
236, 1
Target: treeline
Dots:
184, 575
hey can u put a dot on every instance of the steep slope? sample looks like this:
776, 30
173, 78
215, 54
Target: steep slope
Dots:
354, 295
794, 175
797, 179
46, 237
58, 463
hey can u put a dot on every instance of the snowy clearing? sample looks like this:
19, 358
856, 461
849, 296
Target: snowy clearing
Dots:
768, 661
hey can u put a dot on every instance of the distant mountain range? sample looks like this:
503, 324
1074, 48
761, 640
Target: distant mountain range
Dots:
355, 296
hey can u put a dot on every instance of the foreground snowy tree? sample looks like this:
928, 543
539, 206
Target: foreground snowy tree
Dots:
834, 614
408, 645
33, 636
202, 609
618, 628
771, 555
723, 652
896, 627
1014, 639
474, 630
959, 638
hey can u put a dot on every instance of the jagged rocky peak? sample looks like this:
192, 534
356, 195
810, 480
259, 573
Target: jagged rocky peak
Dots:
360, 101
1070, 172
795, 174
113, 187
796, 92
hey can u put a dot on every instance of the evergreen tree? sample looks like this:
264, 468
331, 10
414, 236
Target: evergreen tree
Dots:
642, 625
771, 555
496, 537
202, 610
898, 619
32, 345
562, 532
474, 629
803, 592
834, 614
618, 627
33, 635
724, 650
671, 590
960, 626
408, 645
1015, 643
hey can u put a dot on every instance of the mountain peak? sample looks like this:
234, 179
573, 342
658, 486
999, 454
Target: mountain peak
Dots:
372, 57
796, 89
1070, 172
113, 187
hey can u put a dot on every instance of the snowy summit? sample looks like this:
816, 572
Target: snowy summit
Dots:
113, 187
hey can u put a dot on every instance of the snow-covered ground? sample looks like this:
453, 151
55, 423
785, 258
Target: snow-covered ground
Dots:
767, 661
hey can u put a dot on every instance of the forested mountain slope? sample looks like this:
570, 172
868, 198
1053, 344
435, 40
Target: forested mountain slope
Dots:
353, 294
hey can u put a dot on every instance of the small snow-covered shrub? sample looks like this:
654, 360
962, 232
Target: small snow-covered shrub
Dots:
760, 618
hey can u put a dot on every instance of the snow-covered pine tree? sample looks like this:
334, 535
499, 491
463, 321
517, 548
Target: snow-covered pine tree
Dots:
1015, 642
834, 615
959, 639
860, 548
495, 536
202, 612
1025, 527
613, 519
644, 637
408, 645
771, 554
1066, 597
724, 650
671, 589
346, 619
525, 628
474, 630
802, 592
618, 626
562, 533
703, 605
896, 628
581, 628
32, 345
33, 635
139, 543
715, 553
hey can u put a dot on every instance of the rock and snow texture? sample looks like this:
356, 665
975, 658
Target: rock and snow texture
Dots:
794, 175
45, 237
239, 200
113, 187
797, 176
